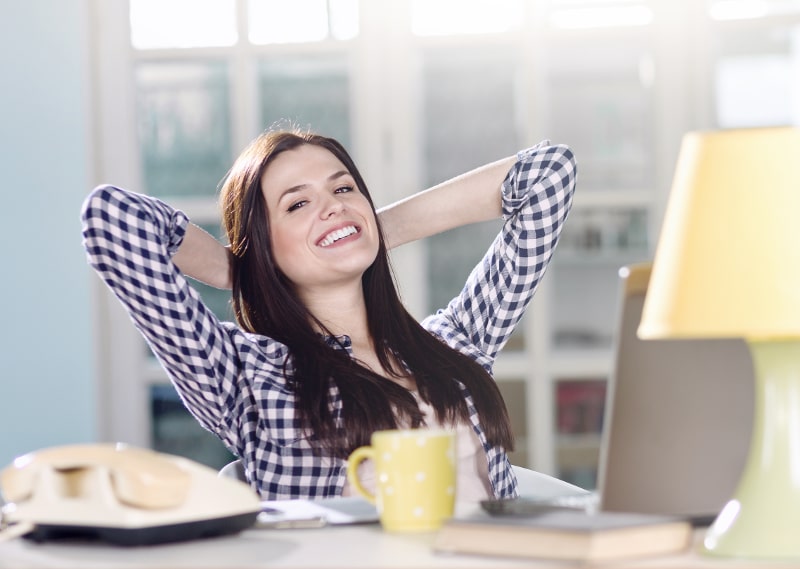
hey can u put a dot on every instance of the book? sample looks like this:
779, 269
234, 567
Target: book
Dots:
566, 534
580, 405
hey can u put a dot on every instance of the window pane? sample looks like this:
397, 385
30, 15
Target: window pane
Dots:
184, 126
467, 123
601, 104
175, 431
756, 74
278, 21
754, 90
182, 23
307, 93
446, 17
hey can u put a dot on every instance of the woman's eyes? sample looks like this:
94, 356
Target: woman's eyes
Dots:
300, 203
296, 205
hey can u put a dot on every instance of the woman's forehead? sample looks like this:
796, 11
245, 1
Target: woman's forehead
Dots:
305, 165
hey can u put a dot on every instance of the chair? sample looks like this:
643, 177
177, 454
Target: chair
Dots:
234, 469
530, 482
539, 485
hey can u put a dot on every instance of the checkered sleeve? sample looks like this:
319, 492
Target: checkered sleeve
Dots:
536, 198
129, 240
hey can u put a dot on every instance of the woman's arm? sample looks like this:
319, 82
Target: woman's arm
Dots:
468, 198
202, 257
130, 240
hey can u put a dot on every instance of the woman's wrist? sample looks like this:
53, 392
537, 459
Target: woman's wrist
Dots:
469, 198
203, 258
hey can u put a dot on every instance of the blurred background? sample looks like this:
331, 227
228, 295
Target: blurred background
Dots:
160, 95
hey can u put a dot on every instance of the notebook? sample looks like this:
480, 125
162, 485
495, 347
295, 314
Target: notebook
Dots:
678, 418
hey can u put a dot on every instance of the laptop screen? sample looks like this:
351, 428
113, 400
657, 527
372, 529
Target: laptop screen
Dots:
678, 417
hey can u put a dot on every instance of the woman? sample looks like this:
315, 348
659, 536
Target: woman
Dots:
324, 353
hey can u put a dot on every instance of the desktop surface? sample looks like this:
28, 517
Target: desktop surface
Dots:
352, 547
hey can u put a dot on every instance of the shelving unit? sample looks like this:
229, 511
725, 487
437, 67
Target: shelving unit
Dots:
417, 109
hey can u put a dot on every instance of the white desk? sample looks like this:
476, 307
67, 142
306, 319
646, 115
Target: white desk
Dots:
342, 547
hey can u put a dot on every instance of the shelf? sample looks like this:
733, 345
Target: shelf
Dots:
512, 366
599, 257
583, 363
578, 442
612, 198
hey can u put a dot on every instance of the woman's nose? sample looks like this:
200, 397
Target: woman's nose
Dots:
331, 205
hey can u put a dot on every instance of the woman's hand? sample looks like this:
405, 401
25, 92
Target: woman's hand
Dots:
203, 258
469, 198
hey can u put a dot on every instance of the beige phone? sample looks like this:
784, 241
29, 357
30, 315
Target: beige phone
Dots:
139, 477
122, 494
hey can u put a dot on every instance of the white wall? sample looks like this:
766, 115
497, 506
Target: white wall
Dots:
47, 391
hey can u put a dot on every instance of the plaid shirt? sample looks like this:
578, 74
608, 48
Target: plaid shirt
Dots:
233, 382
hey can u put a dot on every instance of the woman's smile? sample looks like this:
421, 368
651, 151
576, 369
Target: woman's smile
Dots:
338, 235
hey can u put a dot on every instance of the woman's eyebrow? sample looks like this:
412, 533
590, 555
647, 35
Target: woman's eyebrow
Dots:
299, 187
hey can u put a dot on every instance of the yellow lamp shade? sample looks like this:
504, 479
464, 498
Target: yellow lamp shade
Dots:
728, 258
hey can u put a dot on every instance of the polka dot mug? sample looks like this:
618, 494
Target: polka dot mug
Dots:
414, 477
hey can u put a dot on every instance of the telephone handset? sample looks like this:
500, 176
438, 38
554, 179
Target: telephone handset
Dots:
138, 477
122, 494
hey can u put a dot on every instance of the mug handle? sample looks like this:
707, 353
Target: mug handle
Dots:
357, 457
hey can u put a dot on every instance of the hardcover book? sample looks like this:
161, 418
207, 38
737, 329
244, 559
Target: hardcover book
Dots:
566, 534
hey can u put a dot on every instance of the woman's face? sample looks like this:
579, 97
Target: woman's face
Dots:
322, 228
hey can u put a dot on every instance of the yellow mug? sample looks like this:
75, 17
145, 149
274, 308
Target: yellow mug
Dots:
415, 477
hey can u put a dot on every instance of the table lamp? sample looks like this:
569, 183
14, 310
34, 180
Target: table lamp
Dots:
727, 264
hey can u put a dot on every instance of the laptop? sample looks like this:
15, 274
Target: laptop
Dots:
678, 418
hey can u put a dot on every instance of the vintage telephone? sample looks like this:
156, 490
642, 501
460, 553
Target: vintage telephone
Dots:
123, 495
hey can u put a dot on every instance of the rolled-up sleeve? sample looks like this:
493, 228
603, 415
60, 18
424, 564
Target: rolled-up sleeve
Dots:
129, 240
536, 199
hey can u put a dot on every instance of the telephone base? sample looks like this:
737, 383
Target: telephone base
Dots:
152, 535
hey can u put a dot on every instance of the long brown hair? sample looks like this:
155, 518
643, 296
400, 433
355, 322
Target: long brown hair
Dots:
265, 303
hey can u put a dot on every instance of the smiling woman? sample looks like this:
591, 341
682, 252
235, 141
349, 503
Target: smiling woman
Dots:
325, 353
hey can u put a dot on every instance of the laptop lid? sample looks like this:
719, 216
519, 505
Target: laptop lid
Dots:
678, 420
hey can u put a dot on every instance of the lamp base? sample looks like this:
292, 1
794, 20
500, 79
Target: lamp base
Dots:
762, 521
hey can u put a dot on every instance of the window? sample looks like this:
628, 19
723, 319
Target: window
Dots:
183, 115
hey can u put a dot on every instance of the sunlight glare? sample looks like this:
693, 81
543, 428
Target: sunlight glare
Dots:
602, 16
344, 19
751, 9
448, 17
278, 21
159, 24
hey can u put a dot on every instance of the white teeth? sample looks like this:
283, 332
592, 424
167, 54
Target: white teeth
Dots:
334, 236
